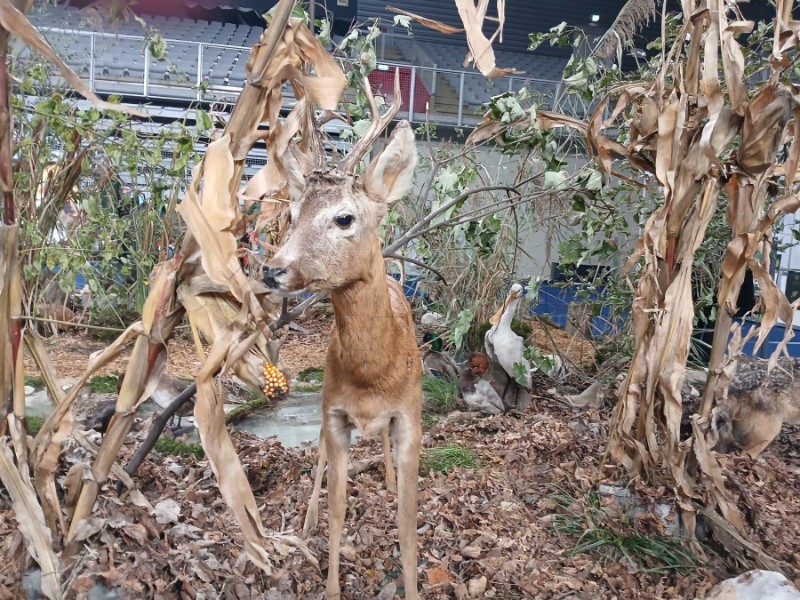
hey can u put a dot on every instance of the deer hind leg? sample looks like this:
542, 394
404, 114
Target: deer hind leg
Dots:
337, 442
312, 514
391, 480
408, 438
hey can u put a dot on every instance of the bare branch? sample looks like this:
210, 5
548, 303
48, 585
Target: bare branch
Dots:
416, 262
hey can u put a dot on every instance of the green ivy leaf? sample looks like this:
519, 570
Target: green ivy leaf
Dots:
461, 326
203, 121
520, 374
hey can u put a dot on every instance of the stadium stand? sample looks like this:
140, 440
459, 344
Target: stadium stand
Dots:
206, 61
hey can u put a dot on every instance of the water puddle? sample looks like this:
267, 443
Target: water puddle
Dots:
295, 421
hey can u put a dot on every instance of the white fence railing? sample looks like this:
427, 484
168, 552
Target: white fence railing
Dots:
123, 64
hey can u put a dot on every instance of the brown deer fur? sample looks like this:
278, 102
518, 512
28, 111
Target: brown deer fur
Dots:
372, 368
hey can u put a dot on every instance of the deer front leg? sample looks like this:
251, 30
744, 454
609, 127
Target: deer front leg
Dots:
391, 480
337, 442
312, 514
408, 439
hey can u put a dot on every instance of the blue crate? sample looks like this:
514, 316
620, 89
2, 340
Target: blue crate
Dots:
411, 286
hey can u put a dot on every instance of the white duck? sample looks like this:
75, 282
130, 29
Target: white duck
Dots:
504, 347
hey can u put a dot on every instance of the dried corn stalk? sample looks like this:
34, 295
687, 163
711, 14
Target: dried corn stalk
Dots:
685, 129
206, 283
36, 503
699, 132
473, 15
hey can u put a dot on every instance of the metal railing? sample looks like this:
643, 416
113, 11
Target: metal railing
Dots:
123, 64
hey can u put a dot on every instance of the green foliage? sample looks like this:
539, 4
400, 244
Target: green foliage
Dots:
177, 448
447, 458
429, 420
103, 384
311, 374
36, 382
441, 394
520, 373
616, 539
462, 326
34, 424
95, 196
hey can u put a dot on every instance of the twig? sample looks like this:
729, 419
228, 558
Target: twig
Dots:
156, 429
416, 262
288, 316
423, 223
74, 324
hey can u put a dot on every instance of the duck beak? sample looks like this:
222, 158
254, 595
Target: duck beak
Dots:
496, 316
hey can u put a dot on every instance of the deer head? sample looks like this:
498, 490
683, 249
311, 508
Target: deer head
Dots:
333, 237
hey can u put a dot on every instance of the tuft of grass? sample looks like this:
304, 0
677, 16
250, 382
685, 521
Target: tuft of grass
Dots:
311, 374
35, 382
441, 395
446, 458
429, 420
34, 424
176, 448
103, 384
615, 539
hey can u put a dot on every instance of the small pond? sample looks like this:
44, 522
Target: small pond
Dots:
295, 421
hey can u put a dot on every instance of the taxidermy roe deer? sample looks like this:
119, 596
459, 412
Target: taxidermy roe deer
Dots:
372, 368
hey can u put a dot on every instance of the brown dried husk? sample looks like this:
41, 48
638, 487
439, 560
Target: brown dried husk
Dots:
206, 283
691, 146
699, 135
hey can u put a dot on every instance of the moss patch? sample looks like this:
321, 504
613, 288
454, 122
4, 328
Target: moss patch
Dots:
176, 448
103, 384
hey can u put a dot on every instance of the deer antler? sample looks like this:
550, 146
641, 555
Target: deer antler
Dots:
376, 127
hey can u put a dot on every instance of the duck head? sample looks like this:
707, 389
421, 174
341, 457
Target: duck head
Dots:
511, 303
478, 363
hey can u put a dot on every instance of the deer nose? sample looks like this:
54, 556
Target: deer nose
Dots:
271, 275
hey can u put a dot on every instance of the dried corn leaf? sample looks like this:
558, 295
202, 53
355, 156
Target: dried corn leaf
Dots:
227, 468
480, 47
326, 88
429, 23
27, 510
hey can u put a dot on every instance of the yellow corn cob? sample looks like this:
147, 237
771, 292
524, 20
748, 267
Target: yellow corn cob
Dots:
275, 382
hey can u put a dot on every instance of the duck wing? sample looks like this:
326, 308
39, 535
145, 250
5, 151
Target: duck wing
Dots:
440, 365
483, 398
506, 349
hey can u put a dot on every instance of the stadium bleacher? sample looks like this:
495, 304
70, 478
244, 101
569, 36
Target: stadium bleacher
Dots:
206, 60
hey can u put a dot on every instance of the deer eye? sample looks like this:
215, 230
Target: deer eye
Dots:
344, 221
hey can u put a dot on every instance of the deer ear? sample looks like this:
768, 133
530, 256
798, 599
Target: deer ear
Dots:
390, 175
296, 165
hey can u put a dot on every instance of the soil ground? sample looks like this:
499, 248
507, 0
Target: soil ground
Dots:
506, 526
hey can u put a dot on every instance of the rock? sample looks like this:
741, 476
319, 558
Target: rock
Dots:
476, 587
432, 318
755, 585
29, 390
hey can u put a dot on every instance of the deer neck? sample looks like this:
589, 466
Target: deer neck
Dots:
365, 329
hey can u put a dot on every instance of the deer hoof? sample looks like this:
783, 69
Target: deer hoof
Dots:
310, 523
